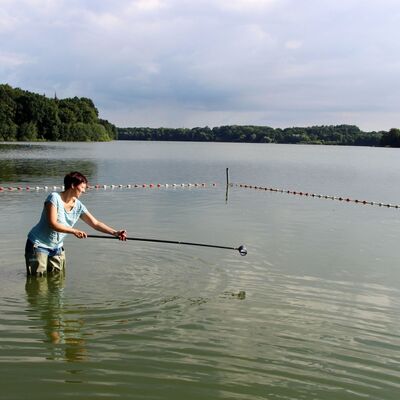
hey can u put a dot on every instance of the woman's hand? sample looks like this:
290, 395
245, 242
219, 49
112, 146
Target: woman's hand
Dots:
121, 235
80, 234
102, 227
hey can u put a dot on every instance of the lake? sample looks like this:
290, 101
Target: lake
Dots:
320, 314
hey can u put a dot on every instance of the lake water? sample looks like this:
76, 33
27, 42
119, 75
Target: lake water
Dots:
320, 316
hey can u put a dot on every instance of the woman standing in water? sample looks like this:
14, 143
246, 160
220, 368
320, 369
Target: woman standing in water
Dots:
44, 251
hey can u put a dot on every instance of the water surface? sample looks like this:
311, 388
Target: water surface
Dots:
146, 320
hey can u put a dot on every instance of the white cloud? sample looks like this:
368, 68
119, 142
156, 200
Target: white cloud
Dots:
248, 5
103, 21
149, 5
8, 22
12, 60
293, 44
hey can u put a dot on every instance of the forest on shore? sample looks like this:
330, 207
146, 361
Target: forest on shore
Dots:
346, 135
27, 116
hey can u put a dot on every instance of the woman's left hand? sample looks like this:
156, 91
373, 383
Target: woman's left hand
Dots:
121, 235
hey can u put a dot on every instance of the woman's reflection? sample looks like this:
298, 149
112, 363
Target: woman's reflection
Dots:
45, 294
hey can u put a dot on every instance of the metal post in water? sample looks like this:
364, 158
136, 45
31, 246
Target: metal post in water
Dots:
227, 186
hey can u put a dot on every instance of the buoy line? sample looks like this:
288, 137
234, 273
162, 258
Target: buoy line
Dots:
5, 189
319, 196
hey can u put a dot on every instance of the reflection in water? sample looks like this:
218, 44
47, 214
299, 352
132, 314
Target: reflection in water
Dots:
22, 170
46, 297
8, 147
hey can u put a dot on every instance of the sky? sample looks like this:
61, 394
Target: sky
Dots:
188, 63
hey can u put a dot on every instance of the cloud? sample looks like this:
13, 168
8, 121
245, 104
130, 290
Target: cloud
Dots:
248, 5
209, 62
7, 22
293, 44
148, 5
13, 60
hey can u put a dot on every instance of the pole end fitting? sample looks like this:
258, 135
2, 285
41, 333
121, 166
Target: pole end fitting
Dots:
242, 250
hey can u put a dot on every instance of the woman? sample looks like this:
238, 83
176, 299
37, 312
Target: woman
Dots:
44, 250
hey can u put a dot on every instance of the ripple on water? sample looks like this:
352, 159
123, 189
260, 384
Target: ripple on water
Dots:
297, 336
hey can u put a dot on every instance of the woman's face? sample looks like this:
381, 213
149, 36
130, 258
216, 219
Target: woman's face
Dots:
79, 189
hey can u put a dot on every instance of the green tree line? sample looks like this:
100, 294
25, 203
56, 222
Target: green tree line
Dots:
348, 135
27, 116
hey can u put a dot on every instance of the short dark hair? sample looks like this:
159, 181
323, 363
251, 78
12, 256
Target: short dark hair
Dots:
74, 178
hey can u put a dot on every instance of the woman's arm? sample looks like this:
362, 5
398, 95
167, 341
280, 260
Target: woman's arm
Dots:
102, 227
51, 212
